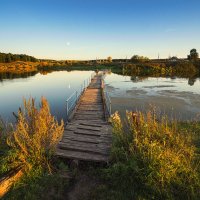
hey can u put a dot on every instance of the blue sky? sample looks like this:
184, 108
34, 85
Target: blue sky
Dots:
86, 29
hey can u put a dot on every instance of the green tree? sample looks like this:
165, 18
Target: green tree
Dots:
137, 58
8, 58
193, 55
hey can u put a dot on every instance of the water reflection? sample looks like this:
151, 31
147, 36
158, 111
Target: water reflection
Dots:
172, 93
11, 75
136, 79
191, 81
55, 86
174, 96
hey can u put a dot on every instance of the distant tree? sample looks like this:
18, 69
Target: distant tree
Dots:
8, 58
193, 55
2, 58
137, 58
174, 58
109, 59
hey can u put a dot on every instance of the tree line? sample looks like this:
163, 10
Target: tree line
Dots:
8, 57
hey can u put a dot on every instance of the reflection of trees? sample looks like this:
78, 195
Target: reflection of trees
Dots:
136, 79
45, 72
191, 81
10, 75
173, 77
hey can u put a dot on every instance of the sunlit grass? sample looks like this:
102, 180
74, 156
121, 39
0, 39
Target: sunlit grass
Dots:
33, 140
152, 158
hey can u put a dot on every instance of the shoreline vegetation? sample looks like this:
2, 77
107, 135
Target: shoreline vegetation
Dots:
12, 65
150, 158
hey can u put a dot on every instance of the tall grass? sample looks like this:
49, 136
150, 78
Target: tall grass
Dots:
152, 159
5, 129
34, 138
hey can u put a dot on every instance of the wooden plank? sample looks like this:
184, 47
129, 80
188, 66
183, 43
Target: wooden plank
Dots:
75, 130
80, 143
96, 123
84, 139
93, 122
90, 108
81, 137
90, 113
99, 106
81, 155
89, 144
85, 127
90, 117
84, 144
89, 124
91, 128
84, 148
83, 132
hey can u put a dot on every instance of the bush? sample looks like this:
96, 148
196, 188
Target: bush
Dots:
34, 139
152, 159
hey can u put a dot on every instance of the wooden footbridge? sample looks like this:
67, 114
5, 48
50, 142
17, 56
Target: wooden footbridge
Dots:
87, 135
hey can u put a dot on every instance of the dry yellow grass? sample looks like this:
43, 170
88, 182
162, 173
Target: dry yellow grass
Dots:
36, 136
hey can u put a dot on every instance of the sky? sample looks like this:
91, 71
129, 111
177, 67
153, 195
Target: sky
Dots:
90, 29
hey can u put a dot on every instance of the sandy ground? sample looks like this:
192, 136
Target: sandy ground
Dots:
179, 105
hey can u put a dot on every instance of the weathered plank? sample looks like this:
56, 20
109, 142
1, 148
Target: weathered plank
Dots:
84, 132
96, 140
81, 155
84, 149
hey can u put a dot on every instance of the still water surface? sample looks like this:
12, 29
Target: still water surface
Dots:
176, 97
55, 86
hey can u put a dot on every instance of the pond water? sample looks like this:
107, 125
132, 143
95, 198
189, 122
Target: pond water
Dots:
177, 97
55, 86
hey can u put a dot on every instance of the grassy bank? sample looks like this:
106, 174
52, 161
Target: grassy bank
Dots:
152, 159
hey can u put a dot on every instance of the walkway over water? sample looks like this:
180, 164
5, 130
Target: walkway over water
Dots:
87, 135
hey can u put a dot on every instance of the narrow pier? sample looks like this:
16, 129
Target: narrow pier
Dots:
87, 135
